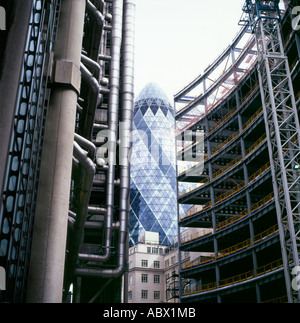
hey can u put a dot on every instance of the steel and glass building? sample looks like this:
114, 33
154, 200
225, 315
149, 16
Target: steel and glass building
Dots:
245, 190
153, 201
66, 85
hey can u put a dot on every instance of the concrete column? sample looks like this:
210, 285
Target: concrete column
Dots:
46, 274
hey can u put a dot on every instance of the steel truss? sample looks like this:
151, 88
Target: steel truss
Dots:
282, 128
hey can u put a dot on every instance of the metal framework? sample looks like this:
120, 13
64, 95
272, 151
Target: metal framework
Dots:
64, 204
97, 237
172, 290
282, 127
17, 207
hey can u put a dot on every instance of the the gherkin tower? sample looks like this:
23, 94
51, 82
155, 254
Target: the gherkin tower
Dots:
153, 172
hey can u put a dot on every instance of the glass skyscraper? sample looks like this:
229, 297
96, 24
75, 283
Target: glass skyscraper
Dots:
153, 172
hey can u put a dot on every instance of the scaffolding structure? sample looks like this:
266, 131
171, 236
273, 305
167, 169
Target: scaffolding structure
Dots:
282, 127
228, 187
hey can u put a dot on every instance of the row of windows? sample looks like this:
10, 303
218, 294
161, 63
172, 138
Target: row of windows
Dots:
144, 279
153, 250
144, 263
144, 295
156, 278
156, 264
167, 262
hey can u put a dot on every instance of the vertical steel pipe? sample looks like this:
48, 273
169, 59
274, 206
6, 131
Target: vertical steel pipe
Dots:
125, 135
113, 113
113, 123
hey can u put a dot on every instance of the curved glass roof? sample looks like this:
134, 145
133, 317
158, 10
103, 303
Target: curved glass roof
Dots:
153, 91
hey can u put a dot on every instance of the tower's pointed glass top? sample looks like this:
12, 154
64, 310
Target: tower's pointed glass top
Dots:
153, 98
153, 91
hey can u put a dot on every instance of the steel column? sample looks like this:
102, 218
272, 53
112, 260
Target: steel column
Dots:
283, 132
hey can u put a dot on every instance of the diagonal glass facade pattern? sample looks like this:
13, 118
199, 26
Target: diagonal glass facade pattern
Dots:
153, 173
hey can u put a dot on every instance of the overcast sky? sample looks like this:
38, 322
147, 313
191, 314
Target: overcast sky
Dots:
176, 40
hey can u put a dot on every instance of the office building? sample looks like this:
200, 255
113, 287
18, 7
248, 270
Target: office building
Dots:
245, 186
66, 85
153, 269
153, 201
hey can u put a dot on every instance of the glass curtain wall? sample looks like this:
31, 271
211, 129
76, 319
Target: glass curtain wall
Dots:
153, 171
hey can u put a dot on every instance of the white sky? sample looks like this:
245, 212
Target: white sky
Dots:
177, 39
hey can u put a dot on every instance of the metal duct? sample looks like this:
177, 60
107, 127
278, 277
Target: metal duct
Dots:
87, 183
87, 145
97, 210
93, 101
89, 78
95, 12
104, 57
100, 225
126, 130
96, 98
127, 117
91, 63
117, 26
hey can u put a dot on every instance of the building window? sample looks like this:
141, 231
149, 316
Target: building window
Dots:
155, 250
148, 249
144, 294
144, 263
144, 278
156, 264
167, 263
156, 279
130, 264
130, 279
129, 296
173, 260
156, 294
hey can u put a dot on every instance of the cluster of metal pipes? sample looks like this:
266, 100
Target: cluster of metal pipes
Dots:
63, 149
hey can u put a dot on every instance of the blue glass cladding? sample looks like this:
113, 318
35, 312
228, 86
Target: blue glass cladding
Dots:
153, 173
